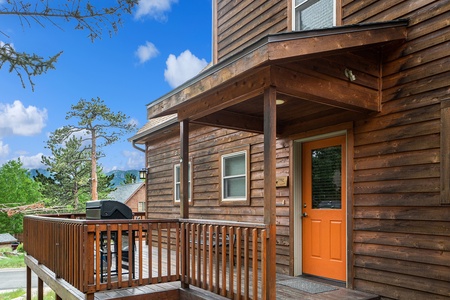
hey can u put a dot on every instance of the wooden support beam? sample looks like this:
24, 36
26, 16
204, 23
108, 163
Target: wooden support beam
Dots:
336, 93
233, 120
28, 283
212, 79
184, 198
40, 293
59, 285
323, 44
236, 92
270, 139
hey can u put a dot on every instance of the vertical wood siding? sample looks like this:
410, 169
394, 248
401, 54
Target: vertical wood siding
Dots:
206, 144
401, 230
242, 23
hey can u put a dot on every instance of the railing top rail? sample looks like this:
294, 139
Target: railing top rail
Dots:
65, 219
224, 223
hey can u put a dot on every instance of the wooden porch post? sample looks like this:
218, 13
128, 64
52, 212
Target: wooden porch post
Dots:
28, 283
184, 199
270, 139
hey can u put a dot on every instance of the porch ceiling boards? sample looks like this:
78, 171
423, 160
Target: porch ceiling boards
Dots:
306, 68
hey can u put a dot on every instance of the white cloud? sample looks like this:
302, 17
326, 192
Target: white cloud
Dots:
155, 9
4, 149
17, 119
134, 122
135, 160
32, 162
182, 68
146, 52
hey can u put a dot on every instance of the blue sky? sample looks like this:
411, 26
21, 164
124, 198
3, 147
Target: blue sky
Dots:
164, 43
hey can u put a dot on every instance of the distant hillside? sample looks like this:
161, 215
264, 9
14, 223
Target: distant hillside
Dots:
119, 176
33, 172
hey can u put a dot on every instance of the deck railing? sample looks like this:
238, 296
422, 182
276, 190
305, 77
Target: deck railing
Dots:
226, 258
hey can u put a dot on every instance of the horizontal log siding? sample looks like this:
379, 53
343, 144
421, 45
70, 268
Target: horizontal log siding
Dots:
242, 23
206, 145
401, 232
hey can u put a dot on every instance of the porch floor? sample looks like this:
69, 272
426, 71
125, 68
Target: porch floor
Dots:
286, 288
172, 290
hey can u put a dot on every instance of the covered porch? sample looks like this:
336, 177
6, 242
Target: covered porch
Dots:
284, 86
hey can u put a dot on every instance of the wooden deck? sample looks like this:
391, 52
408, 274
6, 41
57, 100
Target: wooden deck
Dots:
173, 290
88, 260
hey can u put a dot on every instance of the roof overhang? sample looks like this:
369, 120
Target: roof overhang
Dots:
256, 67
229, 93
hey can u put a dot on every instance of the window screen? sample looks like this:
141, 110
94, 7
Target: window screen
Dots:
314, 14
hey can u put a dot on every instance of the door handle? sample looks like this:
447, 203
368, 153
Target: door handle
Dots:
304, 215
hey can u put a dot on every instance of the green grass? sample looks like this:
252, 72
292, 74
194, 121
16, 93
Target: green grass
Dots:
12, 295
17, 293
11, 261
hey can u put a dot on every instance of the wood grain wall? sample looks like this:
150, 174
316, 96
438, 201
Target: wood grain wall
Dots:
206, 145
401, 230
241, 23
401, 227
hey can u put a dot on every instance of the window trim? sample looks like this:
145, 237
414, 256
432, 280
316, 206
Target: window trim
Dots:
235, 201
141, 209
190, 174
337, 16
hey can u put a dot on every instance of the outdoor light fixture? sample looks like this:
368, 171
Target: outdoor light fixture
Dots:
279, 101
143, 173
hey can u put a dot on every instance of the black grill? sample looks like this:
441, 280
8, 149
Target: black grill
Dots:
107, 209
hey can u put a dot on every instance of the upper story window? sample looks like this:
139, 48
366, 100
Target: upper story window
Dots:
314, 14
141, 206
234, 178
177, 184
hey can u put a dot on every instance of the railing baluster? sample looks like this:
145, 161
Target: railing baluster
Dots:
97, 255
211, 258
150, 251
238, 263
263, 263
159, 252
169, 254
217, 261
204, 283
141, 254
255, 262
224, 261
246, 265
192, 242
199, 272
177, 247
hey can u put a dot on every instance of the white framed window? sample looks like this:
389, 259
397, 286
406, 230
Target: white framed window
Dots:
177, 185
141, 206
314, 14
234, 179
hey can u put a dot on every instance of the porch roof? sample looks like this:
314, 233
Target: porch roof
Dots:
218, 93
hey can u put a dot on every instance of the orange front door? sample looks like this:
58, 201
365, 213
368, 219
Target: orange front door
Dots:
324, 207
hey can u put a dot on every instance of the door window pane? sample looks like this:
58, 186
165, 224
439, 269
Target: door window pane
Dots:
326, 177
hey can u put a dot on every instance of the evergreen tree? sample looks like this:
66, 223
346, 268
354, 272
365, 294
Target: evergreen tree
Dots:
99, 127
81, 13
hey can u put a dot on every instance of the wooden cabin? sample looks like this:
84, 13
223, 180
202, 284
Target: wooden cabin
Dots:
329, 122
